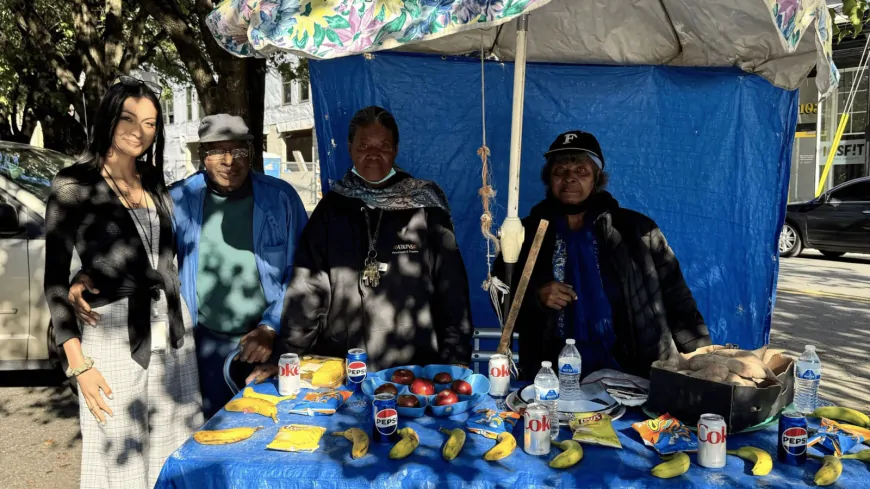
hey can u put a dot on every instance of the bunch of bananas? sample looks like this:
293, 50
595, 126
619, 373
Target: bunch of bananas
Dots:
763, 462
224, 437
252, 394
256, 406
505, 445
845, 414
406, 445
453, 445
360, 441
572, 453
674, 466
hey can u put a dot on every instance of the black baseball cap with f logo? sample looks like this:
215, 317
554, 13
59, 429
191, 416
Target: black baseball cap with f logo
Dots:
577, 141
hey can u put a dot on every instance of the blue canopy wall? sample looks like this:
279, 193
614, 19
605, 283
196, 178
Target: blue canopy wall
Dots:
704, 152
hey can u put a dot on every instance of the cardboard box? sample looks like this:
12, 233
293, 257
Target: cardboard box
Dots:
687, 398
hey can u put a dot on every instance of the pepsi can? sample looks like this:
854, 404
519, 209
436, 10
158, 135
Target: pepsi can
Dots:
356, 368
386, 417
793, 435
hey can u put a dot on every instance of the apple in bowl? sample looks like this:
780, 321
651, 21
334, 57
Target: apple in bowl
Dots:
423, 387
461, 387
408, 401
446, 398
443, 378
402, 376
387, 389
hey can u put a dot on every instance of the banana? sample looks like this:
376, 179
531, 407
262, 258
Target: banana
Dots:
224, 437
257, 406
454, 443
249, 393
360, 441
763, 462
830, 471
505, 445
674, 465
572, 453
406, 445
863, 455
843, 414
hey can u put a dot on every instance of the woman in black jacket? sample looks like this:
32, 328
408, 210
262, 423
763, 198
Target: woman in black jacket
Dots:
133, 355
605, 276
377, 266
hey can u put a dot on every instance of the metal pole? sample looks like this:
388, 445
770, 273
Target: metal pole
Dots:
85, 116
819, 120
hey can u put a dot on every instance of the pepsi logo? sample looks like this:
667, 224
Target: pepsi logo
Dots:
537, 425
387, 421
289, 370
794, 440
356, 371
499, 371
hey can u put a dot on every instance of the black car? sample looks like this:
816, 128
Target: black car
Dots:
836, 223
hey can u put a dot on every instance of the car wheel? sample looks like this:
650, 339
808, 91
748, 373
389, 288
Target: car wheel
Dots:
833, 254
789, 241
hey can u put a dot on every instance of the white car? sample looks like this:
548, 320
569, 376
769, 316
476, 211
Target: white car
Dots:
25, 180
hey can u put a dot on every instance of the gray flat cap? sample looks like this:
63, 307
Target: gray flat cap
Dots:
223, 127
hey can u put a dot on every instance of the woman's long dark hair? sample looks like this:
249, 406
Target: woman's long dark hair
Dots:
373, 115
150, 163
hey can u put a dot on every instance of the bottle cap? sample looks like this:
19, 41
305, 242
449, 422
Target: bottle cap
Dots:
811, 347
546, 364
569, 341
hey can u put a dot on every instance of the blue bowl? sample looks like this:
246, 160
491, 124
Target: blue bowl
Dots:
371, 383
479, 389
458, 373
417, 412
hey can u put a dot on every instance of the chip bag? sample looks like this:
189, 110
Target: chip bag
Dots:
297, 438
835, 438
317, 372
594, 429
666, 435
318, 402
491, 423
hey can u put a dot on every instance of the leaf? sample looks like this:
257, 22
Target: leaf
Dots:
319, 35
413, 8
301, 43
333, 37
337, 22
394, 26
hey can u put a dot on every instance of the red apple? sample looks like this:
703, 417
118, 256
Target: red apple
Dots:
409, 401
403, 376
423, 387
443, 378
387, 388
446, 397
461, 387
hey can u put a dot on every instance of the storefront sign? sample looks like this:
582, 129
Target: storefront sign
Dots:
808, 109
849, 152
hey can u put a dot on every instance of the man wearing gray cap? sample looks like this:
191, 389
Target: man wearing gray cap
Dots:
236, 234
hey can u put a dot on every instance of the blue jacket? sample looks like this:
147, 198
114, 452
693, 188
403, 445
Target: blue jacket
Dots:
279, 218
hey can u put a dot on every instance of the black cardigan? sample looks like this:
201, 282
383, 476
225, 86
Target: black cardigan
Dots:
85, 214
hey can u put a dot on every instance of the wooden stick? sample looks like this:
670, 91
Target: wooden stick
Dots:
507, 333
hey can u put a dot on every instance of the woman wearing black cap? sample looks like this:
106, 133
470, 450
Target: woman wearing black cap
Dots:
605, 276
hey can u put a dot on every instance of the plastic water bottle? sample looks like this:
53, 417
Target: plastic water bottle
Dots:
807, 376
547, 394
569, 372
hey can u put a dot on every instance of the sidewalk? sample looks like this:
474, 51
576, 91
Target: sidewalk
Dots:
846, 278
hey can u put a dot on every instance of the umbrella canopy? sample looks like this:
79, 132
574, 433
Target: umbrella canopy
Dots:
781, 40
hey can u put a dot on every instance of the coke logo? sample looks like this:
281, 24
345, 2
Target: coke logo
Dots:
356, 370
708, 436
289, 370
794, 440
501, 371
386, 421
537, 425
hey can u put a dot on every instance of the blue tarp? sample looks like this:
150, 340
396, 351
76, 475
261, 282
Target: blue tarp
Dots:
248, 465
704, 152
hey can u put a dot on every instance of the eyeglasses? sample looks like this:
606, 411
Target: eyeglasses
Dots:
237, 154
130, 81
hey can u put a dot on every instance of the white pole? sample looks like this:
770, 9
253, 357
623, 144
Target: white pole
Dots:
512, 235
819, 120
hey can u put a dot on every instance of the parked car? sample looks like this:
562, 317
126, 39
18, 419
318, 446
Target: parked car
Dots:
836, 223
25, 182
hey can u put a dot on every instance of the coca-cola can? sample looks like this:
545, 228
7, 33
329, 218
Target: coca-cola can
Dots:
288, 374
536, 435
712, 436
499, 376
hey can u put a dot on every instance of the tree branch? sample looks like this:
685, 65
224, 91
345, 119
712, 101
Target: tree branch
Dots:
114, 36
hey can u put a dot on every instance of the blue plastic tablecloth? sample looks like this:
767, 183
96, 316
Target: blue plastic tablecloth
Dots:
249, 465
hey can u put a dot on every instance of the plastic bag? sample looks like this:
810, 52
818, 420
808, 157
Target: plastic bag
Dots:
491, 423
317, 372
835, 438
319, 403
297, 438
666, 435
594, 429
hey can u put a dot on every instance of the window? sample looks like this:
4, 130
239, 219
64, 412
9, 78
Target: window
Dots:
858, 115
32, 168
287, 91
189, 103
304, 92
856, 192
169, 108
200, 109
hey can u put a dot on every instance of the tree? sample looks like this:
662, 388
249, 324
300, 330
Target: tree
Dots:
857, 13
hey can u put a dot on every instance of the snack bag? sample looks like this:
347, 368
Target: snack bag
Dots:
317, 372
318, 402
835, 438
297, 438
491, 423
594, 429
666, 434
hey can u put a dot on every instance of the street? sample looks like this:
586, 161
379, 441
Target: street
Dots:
820, 302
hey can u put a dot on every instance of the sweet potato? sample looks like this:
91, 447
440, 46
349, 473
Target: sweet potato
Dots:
715, 372
701, 361
737, 380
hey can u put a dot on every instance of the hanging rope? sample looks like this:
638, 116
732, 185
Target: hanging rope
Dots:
486, 192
